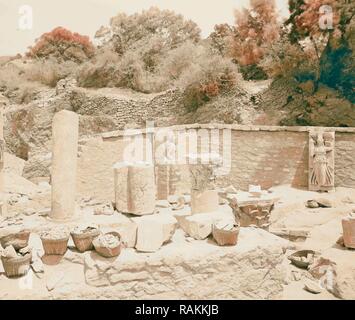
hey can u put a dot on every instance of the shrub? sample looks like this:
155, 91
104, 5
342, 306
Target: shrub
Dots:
208, 76
287, 59
100, 71
62, 44
49, 72
15, 86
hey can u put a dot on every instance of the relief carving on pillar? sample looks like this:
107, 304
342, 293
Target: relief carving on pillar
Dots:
321, 161
204, 175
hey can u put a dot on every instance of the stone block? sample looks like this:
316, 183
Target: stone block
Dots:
204, 201
134, 188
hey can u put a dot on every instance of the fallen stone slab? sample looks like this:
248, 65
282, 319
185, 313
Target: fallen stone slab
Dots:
200, 270
199, 226
153, 231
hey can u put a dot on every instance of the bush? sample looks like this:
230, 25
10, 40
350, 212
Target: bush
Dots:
207, 76
49, 72
285, 59
101, 71
15, 86
62, 44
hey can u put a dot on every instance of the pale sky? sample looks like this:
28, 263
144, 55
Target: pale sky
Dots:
86, 16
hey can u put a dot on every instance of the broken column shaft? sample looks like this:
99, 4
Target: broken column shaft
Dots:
135, 188
64, 164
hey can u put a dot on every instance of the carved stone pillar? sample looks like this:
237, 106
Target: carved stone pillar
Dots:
64, 164
204, 196
134, 188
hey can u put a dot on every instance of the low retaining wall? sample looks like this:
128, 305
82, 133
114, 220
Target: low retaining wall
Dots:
263, 155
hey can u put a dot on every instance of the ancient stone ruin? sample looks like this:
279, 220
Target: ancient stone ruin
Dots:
103, 226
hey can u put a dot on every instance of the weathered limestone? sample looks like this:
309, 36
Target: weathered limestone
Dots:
3, 209
154, 231
321, 161
64, 164
199, 226
167, 179
204, 201
201, 270
204, 196
134, 188
150, 236
349, 231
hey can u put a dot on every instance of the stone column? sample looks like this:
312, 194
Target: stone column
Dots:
65, 132
204, 195
3, 204
168, 177
135, 188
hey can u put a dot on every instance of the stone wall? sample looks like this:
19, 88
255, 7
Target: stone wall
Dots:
263, 155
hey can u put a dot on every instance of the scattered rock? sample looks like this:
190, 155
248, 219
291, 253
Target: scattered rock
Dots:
173, 199
340, 241
180, 203
29, 212
105, 209
74, 257
296, 275
163, 204
37, 266
150, 235
312, 204
231, 189
197, 226
54, 280
324, 203
9, 252
312, 287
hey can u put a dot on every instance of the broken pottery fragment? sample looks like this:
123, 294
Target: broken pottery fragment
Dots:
225, 234
302, 258
18, 240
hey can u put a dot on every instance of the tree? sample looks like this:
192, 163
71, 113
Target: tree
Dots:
219, 38
255, 30
62, 45
152, 31
333, 45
